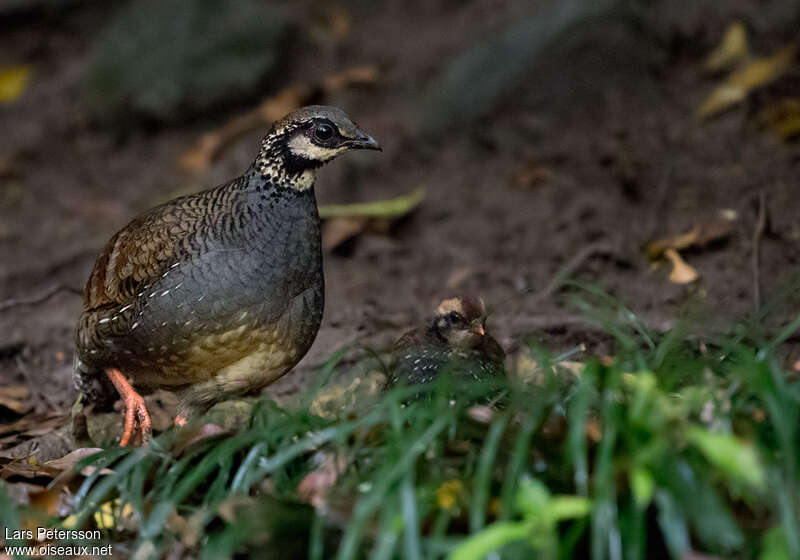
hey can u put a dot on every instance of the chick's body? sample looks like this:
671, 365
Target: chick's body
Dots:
221, 291
420, 359
455, 339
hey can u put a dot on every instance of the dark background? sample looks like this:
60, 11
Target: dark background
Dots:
537, 128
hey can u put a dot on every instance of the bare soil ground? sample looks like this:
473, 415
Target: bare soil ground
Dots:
607, 124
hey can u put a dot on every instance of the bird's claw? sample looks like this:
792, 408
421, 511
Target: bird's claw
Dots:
135, 410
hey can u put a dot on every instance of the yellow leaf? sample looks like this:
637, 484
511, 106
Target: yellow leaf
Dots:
107, 516
700, 235
13, 81
681, 273
104, 517
392, 208
448, 493
782, 117
738, 85
732, 49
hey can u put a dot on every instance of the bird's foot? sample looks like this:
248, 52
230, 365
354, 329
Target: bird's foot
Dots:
180, 420
137, 419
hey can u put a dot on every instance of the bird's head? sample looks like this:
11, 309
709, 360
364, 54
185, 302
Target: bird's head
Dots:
460, 321
307, 138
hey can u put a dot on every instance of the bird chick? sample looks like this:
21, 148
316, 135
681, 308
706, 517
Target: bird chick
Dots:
456, 338
219, 292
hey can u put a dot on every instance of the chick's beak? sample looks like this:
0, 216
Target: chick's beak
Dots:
364, 141
478, 328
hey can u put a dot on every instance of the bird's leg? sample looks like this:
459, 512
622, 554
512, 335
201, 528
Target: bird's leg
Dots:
135, 408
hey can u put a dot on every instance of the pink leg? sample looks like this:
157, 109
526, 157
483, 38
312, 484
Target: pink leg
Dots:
135, 409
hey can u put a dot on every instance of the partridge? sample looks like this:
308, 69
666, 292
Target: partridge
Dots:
219, 292
454, 338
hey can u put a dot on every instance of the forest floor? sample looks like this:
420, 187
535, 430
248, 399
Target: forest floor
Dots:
598, 144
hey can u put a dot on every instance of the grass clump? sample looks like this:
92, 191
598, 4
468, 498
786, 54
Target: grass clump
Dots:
682, 442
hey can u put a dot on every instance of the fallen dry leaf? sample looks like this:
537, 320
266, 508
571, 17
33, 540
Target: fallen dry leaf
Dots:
699, 236
52, 500
33, 424
339, 396
531, 176
681, 273
390, 208
193, 434
227, 509
283, 102
66, 464
357, 75
190, 528
528, 370
458, 277
732, 49
345, 221
51, 444
572, 367
314, 487
13, 81
782, 117
25, 468
59, 470
329, 21
210, 145
741, 82
16, 398
339, 230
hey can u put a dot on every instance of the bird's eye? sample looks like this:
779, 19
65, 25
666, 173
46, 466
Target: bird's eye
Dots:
456, 318
323, 131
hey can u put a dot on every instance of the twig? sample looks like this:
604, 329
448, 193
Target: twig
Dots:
561, 276
571, 267
52, 267
761, 225
50, 292
662, 195
213, 143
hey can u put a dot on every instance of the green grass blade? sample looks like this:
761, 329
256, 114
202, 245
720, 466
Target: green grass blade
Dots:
483, 477
411, 541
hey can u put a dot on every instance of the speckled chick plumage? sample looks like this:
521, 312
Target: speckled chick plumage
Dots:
456, 338
222, 291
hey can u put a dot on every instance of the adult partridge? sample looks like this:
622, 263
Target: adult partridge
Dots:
219, 292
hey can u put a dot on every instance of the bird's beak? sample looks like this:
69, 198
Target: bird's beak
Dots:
364, 141
478, 328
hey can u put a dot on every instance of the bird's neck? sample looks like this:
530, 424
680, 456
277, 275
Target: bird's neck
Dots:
434, 334
276, 166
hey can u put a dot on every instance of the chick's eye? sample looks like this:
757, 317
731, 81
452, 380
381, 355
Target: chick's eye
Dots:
456, 318
323, 131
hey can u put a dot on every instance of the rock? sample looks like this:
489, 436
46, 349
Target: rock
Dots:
165, 59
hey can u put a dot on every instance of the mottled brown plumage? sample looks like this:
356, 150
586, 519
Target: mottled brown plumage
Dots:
454, 337
217, 292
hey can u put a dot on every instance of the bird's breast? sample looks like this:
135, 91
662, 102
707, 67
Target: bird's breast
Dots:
257, 291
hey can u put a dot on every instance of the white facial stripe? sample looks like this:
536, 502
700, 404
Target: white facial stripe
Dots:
300, 145
305, 181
